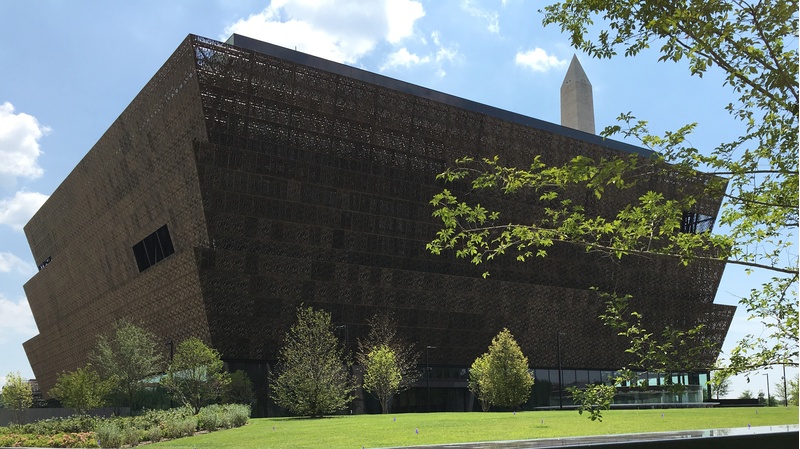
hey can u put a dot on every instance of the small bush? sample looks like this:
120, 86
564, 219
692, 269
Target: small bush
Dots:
110, 435
131, 436
240, 414
77, 440
171, 430
180, 427
73, 440
154, 434
188, 426
226, 419
208, 420
69, 424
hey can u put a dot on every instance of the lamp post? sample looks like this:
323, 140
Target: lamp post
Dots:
171, 345
428, 375
560, 383
767, 374
344, 326
785, 391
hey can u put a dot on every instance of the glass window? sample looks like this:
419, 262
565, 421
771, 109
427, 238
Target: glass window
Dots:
596, 377
542, 375
554, 377
568, 376
643, 378
581, 377
153, 249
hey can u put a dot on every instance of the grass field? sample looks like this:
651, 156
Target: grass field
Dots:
439, 428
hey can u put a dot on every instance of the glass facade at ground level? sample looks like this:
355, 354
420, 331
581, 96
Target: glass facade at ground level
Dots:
546, 392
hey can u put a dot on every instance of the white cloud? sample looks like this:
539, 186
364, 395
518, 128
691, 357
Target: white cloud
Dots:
492, 17
539, 61
19, 145
403, 58
16, 319
16, 211
443, 53
9, 262
402, 14
339, 30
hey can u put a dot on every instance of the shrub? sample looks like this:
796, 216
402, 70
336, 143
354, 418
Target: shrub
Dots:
131, 436
180, 427
154, 434
75, 440
152, 425
208, 420
188, 426
109, 434
240, 414
69, 424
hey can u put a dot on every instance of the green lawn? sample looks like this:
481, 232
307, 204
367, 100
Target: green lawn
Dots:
438, 428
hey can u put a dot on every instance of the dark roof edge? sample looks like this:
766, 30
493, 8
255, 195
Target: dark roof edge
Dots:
391, 83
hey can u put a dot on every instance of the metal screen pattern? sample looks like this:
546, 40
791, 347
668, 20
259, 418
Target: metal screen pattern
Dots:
283, 184
138, 177
316, 188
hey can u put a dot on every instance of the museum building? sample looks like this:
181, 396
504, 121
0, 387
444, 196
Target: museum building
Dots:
246, 179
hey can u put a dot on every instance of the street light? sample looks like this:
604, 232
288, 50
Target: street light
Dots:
767, 388
428, 374
785, 391
346, 339
171, 345
560, 383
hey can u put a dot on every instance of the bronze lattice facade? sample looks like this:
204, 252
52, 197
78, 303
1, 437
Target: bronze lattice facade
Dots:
247, 179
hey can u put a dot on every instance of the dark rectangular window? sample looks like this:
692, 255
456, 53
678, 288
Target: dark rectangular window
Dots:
153, 249
44, 263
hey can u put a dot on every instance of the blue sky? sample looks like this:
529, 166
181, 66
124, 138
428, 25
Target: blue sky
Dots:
70, 68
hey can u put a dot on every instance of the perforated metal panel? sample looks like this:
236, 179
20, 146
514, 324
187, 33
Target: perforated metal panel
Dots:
284, 183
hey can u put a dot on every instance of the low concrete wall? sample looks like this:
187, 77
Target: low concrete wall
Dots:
771, 440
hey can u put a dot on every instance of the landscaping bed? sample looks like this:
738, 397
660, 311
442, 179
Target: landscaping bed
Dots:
151, 426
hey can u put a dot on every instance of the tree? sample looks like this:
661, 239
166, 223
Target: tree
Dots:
756, 173
383, 332
672, 350
195, 375
239, 390
480, 382
503, 378
313, 378
81, 389
593, 399
720, 383
17, 395
382, 375
766, 401
746, 394
781, 392
127, 357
